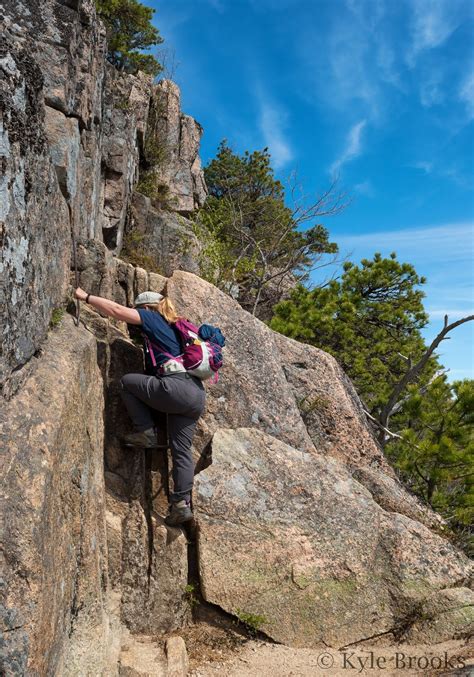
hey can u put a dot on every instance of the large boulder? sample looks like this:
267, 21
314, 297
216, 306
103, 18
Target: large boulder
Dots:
252, 389
297, 393
292, 538
328, 404
337, 424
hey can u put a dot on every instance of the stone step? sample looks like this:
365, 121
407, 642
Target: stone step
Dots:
143, 656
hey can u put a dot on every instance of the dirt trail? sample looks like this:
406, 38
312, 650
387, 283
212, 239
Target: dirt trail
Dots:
261, 659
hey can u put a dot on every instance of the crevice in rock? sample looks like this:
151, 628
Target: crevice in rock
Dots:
76, 606
53, 103
365, 639
148, 509
205, 458
110, 236
406, 622
18, 376
113, 472
459, 583
207, 611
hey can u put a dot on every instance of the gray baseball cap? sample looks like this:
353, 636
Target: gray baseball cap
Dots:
148, 297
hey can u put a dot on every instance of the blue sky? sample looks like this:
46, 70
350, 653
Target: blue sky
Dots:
380, 92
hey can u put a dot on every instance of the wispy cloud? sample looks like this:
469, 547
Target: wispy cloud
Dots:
453, 314
466, 94
350, 79
432, 23
424, 165
431, 88
365, 188
368, 13
446, 243
386, 64
272, 123
362, 58
352, 149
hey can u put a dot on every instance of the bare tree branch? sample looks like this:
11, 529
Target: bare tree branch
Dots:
388, 432
279, 259
423, 390
412, 373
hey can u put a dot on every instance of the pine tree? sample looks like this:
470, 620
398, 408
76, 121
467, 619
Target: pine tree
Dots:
370, 320
129, 30
435, 452
256, 247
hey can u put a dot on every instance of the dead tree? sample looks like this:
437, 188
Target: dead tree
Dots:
395, 401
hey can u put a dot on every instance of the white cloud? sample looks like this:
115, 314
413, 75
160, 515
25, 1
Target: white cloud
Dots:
453, 314
353, 147
424, 165
440, 168
350, 76
386, 64
272, 122
433, 22
466, 94
355, 63
365, 188
431, 92
368, 13
447, 243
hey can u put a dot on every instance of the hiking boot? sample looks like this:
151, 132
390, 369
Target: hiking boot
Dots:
178, 513
145, 439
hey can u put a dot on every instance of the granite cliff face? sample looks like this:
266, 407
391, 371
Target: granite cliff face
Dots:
300, 518
72, 140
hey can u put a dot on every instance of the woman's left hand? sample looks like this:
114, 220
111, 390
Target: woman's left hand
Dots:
80, 294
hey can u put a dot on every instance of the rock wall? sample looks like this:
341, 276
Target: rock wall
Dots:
53, 509
72, 133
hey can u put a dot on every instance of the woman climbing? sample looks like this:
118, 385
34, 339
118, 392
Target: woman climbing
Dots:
170, 389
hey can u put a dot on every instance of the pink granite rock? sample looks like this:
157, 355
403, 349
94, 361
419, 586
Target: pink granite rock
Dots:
292, 538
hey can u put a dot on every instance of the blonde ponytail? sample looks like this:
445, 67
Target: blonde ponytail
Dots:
166, 308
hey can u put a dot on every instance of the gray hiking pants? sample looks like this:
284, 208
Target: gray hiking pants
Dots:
183, 398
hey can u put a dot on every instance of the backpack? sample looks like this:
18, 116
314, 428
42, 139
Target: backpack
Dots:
201, 356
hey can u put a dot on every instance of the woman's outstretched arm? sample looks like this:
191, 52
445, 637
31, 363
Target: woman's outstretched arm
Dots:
110, 308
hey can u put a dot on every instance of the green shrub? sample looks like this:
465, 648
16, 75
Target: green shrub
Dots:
159, 193
190, 595
252, 622
56, 318
308, 406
